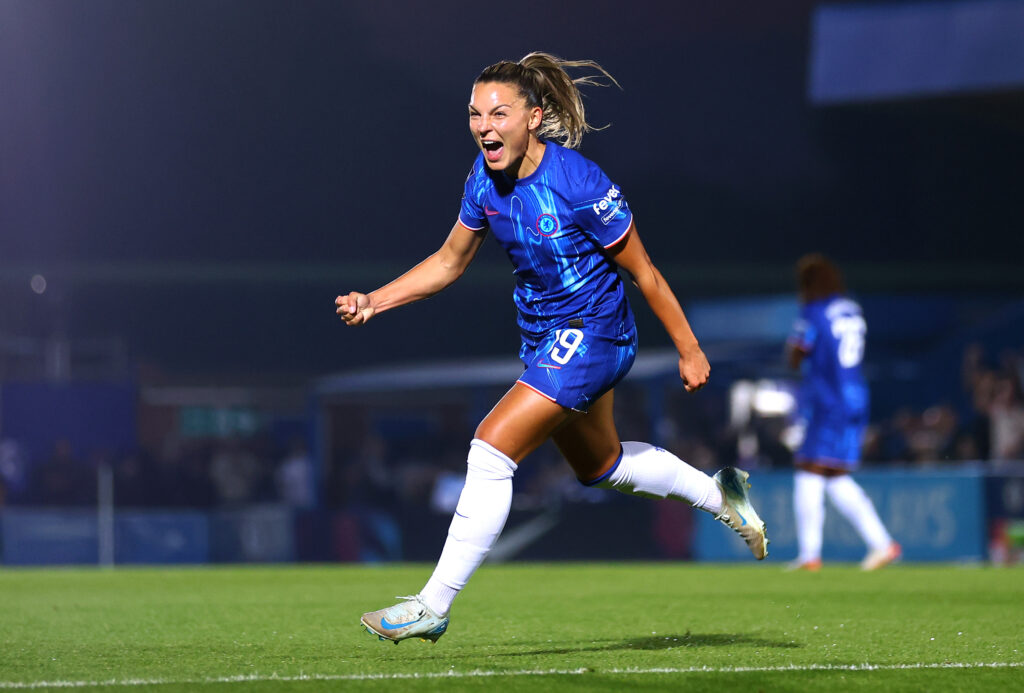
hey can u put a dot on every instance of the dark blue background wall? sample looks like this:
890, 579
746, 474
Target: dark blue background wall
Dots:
203, 178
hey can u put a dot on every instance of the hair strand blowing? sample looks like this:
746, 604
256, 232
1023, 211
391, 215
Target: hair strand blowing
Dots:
542, 79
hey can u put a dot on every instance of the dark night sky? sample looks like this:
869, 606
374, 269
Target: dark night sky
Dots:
240, 131
246, 132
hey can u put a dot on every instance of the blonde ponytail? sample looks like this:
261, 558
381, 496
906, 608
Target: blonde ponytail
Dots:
543, 81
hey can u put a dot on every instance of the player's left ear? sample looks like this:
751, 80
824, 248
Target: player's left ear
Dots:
536, 117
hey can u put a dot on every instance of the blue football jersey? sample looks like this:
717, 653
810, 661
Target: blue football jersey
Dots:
832, 332
555, 225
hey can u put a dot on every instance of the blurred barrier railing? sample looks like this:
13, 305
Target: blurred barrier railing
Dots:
952, 514
934, 515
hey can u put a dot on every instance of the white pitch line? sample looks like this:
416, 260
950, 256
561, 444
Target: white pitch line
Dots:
255, 678
819, 667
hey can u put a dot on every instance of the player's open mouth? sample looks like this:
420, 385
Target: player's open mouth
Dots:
492, 149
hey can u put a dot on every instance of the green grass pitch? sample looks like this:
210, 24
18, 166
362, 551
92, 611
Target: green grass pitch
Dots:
517, 627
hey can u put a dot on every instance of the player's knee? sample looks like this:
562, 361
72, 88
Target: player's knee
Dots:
590, 468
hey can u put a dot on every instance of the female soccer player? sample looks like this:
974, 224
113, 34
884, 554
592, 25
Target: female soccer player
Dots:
567, 229
829, 339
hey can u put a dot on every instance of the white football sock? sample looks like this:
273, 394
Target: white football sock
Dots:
646, 470
479, 518
850, 499
809, 508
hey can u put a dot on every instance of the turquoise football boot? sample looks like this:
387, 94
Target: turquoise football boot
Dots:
737, 512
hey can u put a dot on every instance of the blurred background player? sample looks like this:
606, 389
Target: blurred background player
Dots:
567, 230
828, 343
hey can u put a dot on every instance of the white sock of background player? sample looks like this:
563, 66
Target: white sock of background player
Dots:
850, 499
809, 509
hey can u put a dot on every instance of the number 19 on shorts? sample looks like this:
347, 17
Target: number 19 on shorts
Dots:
566, 344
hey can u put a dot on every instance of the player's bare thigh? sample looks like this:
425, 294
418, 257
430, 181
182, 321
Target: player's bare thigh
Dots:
590, 442
521, 421
824, 470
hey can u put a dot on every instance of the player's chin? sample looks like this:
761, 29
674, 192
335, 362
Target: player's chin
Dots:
499, 165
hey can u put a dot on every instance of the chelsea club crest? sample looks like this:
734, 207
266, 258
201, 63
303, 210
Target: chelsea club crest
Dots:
547, 224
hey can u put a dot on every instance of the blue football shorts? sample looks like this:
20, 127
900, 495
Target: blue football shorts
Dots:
833, 441
574, 366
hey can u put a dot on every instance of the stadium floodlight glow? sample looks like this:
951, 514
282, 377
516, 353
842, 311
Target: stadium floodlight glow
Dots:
761, 398
770, 401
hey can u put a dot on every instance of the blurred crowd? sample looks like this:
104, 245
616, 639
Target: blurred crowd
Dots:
184, 473
986, 421
425, 465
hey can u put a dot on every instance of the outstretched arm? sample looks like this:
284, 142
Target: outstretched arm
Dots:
631, 255
424, 280
795, 354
